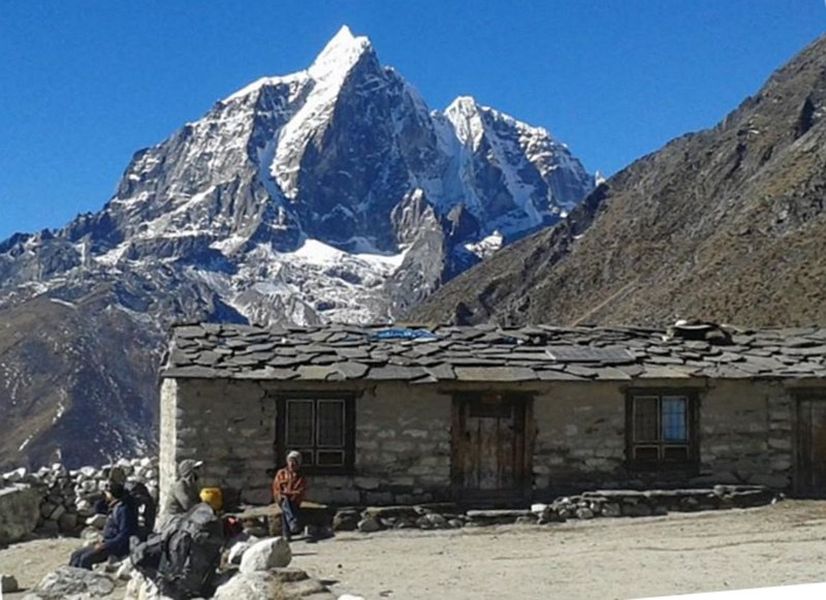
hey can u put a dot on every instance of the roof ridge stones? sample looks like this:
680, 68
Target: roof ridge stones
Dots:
340, 352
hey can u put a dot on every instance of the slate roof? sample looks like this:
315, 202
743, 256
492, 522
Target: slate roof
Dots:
490, 353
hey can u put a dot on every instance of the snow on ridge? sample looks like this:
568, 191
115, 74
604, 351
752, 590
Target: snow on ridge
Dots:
258, 84
319, 253
339, 55
328, 73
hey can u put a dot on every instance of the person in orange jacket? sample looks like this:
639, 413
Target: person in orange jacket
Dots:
288, 490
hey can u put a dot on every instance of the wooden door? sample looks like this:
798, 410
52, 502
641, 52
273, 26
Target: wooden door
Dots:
811, 448
489, 462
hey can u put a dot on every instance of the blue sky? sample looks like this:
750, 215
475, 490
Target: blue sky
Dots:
85, 84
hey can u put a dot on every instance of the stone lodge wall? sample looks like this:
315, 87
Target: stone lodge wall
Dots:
402, 441
230, 425
746, 433
403, 438
580, 437
402, 449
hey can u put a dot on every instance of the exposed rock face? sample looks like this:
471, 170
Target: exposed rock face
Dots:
333, 193
727, 224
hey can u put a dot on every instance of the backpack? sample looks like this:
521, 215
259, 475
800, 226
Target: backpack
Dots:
191, 552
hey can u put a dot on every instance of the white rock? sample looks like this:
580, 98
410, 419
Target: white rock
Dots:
16, 475
141, 588
238, 547
538, 509
266, 554
124, 572
276, 583
89, 472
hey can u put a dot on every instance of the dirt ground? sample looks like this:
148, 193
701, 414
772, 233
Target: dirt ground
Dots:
603, 558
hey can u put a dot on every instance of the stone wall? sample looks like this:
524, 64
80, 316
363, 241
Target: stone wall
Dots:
403, 437
19, 512
402, 441
230, 425
745, 436
580, 437
402, 449
746, 433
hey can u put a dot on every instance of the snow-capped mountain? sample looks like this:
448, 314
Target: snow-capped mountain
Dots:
333, 193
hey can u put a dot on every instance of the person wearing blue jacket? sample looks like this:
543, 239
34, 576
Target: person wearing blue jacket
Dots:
120, 526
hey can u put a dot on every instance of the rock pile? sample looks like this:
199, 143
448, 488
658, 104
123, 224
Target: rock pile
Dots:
589, 505
66, 498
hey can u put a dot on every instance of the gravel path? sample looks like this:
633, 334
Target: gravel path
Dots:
603, 558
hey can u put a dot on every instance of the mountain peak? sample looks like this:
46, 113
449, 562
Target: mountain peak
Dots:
340, 54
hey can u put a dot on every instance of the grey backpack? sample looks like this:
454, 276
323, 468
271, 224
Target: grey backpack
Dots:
191, 553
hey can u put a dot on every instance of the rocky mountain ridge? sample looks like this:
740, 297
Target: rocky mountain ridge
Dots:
726, 224
332, 193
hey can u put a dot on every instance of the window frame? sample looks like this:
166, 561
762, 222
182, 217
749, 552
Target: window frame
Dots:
692, 460
281, 445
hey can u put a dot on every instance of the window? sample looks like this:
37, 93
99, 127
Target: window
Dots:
660, 429
320, 428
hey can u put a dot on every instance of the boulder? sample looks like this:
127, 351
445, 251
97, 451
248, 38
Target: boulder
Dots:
369, 525
346, 520
8, 584
19, 512
286, 584
584, 513
239, 547
437, 520
611, 509
266, 554
141, 588
68, 583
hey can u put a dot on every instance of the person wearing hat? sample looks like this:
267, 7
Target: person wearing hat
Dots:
185, 492
288, 489
121, 524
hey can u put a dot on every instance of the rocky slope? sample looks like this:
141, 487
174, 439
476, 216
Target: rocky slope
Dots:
727, 224
333, 193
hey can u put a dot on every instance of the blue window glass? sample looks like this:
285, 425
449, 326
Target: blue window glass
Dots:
674, 419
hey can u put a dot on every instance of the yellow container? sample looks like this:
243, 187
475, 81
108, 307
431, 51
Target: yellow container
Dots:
214, 497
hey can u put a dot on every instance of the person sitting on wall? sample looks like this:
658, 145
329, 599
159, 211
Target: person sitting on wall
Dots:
140, 498
116, 476
184, 493
288, 489
121, 524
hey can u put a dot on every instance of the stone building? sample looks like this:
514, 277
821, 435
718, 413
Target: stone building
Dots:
495, 415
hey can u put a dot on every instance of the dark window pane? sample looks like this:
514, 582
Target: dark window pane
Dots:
299, 423
306, 457
645, 419
331, 423
675, 453
330, 458
675, 421
646, 453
